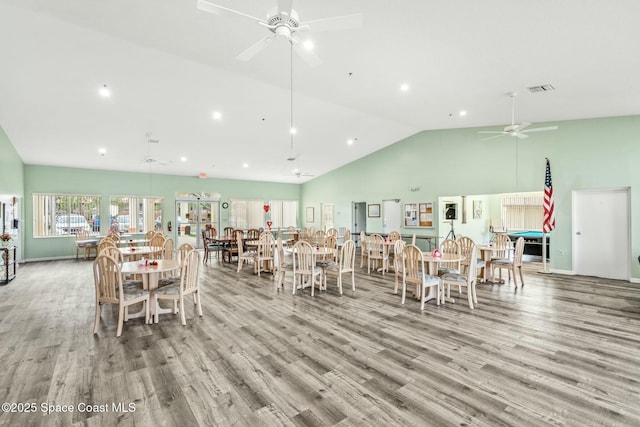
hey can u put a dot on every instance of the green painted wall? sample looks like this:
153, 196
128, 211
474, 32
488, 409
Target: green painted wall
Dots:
11, 168
584, 154
47, 179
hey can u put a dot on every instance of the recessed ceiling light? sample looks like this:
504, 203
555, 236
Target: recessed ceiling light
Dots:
102, 151
245, 165
404, 87
104, 91
217, 115
350, 141
308, 45
293, 131
462, 113
183, 159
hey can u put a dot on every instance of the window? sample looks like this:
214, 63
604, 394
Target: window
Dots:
64, 214
245, 214
522, 211
130, 214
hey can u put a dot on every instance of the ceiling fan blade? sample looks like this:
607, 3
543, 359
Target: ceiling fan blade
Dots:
522, 126
520, 135
493, 131
345, 22
542, 129
307, 56
284, 6
255, 48
494, 136
217, 9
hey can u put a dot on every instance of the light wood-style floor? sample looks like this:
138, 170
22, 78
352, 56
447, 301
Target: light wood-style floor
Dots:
560, 351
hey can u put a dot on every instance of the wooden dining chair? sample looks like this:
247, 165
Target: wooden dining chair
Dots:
466, 245
460, 280
345, 264
263, 260
398, 262
511, 265
106, 243
378, 254
189, 285
110, 290
502, 244
244, 255
449, 246
414, 273
364, 249
253, 234
283, 264
305, 270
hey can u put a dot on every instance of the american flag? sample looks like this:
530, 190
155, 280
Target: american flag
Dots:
548, 208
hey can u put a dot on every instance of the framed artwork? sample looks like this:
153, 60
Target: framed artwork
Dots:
310, 214
477, 209
373, 211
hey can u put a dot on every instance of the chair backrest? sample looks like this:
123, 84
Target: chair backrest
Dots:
319, 237
265, 245
394, 235
280, 254
347, 259
167, 249
347, 235
228, 231
189, 272
331, 232
413, 265
82, 235
450, 246
114, 253
331, 242
149, 234
157, 241
472, 270
303, 258
183, 250
376, 245
398, 249
253, 234
108, 279
517, 256
363, 243
105, 243
413, 239
114, 236
501, 241
466, 245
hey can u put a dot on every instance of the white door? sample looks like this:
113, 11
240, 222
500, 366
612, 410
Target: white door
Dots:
392, 216
601, 233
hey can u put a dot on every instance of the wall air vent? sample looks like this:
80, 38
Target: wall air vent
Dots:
541, 88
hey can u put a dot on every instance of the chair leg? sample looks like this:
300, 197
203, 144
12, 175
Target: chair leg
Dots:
353, 280
521, 278
182, 315
120, 320
199, 305
97, 319
404, 291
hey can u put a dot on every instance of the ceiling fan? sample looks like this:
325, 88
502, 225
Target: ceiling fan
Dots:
149, 159
283, 22
516, 130
298, 173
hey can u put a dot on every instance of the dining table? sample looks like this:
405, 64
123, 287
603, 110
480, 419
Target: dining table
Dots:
137, 252
433, 262
486, 253
150, 272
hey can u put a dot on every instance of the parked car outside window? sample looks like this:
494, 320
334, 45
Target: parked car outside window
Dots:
71, 224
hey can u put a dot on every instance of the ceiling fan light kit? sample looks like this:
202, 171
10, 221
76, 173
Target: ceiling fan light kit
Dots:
283, 22
516, 130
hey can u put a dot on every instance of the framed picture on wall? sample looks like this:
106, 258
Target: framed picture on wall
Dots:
310, 214
373, 211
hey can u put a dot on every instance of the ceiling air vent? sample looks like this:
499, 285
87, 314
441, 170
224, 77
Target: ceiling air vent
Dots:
541, 88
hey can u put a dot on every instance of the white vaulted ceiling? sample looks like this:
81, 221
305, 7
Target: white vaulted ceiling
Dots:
169, 66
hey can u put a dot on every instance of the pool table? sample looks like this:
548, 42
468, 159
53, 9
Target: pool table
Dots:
532, 241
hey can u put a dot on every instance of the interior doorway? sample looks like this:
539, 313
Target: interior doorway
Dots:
359, 221
601, 231
193, 215
391, 216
